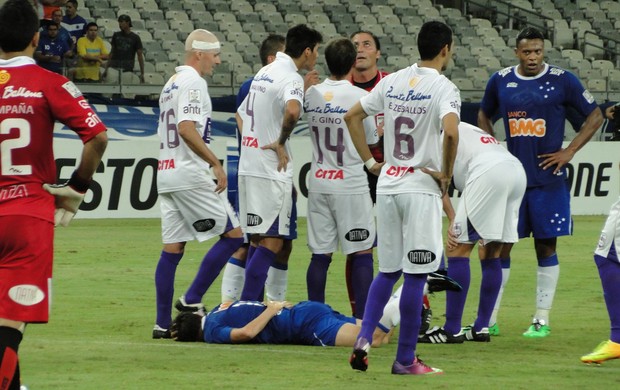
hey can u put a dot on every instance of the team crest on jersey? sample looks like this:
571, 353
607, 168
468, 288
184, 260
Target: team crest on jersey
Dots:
414, 81
72, 89
4, 76
328, 96
588, 96
194, 96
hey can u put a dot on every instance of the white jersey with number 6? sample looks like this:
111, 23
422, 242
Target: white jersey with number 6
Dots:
414, 101
336, 166
184, 98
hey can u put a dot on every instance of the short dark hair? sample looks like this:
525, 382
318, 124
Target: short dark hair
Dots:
299, 38
74, 2
270, 46
529, 33
433, 37
374, 37
91, 24
186, 326
19, 23
340, 56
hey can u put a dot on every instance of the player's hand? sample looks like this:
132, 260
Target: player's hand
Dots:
440, 178
452, 242
68, 201
281, 152
559, 159
311, 78
220, 176
376, 169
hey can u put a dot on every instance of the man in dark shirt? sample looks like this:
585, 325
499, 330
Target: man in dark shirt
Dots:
125, 45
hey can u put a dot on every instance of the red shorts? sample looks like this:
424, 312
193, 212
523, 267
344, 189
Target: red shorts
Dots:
26, 256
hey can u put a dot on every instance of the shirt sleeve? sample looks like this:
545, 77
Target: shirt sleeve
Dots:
294, 90
489, 103
192, 92
579, 97
373, 102
451, 100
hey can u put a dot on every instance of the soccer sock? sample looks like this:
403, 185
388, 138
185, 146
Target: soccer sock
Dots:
410, 309
276, 283
505, 277
378, 295
347, 274
489, 289
232, 280
212, 263
164, 286
458, 269
316, 276
547, 280
609, 272
391, 312
256, 273
9, 362
361, 277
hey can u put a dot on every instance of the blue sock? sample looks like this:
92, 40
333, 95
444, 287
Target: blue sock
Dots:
361, 278
256, 273
316, 277
410, 320
489, 289
609, 271
378, 296
164, 286
458, 269
212, 263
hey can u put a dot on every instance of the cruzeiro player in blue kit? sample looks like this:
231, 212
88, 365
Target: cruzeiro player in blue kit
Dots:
306, 323
532, 98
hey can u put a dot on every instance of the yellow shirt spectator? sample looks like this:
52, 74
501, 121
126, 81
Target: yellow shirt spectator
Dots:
91, 53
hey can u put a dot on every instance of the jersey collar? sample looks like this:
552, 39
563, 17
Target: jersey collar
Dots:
541, 74
18, 61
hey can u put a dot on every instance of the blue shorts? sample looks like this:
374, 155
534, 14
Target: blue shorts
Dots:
545, 211
315, 323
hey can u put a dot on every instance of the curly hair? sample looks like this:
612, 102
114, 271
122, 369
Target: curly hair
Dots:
186, 327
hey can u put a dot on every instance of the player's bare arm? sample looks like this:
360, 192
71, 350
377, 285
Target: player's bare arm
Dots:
354, 119
239, 122
254, 327
292, 111
450, 124
484, 122
187, 131
563, 156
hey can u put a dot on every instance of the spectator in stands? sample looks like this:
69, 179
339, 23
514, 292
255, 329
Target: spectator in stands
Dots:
52, 50
63, 34
91, 55
532, 98
74, 23
125, 46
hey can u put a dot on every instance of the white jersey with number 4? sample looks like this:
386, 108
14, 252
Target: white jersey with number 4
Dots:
184, 98
263, 112
336, 166
414, 101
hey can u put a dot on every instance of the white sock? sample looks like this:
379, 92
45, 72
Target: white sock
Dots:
276, 283
547, 280
232, 282
391, 312
505, 277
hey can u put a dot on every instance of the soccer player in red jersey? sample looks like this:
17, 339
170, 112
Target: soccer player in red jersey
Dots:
32, 100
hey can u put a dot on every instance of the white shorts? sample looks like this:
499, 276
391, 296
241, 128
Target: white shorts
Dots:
347, 219
261, 202
409, 232
489, 206
195, 214
610, 234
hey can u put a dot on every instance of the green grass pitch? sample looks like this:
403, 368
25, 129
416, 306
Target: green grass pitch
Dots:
99, 335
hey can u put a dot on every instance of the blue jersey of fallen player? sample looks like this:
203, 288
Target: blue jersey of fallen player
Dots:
534, 110
307, 323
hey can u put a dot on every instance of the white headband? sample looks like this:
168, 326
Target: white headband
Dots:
201, 45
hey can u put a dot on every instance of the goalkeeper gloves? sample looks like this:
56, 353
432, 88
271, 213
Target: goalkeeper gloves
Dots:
68, 196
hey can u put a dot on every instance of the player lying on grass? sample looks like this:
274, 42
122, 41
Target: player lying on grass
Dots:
306, 323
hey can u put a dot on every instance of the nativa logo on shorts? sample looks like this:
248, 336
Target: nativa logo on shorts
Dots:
26, 294
421, 257
254, 220
204, 225
357, 235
